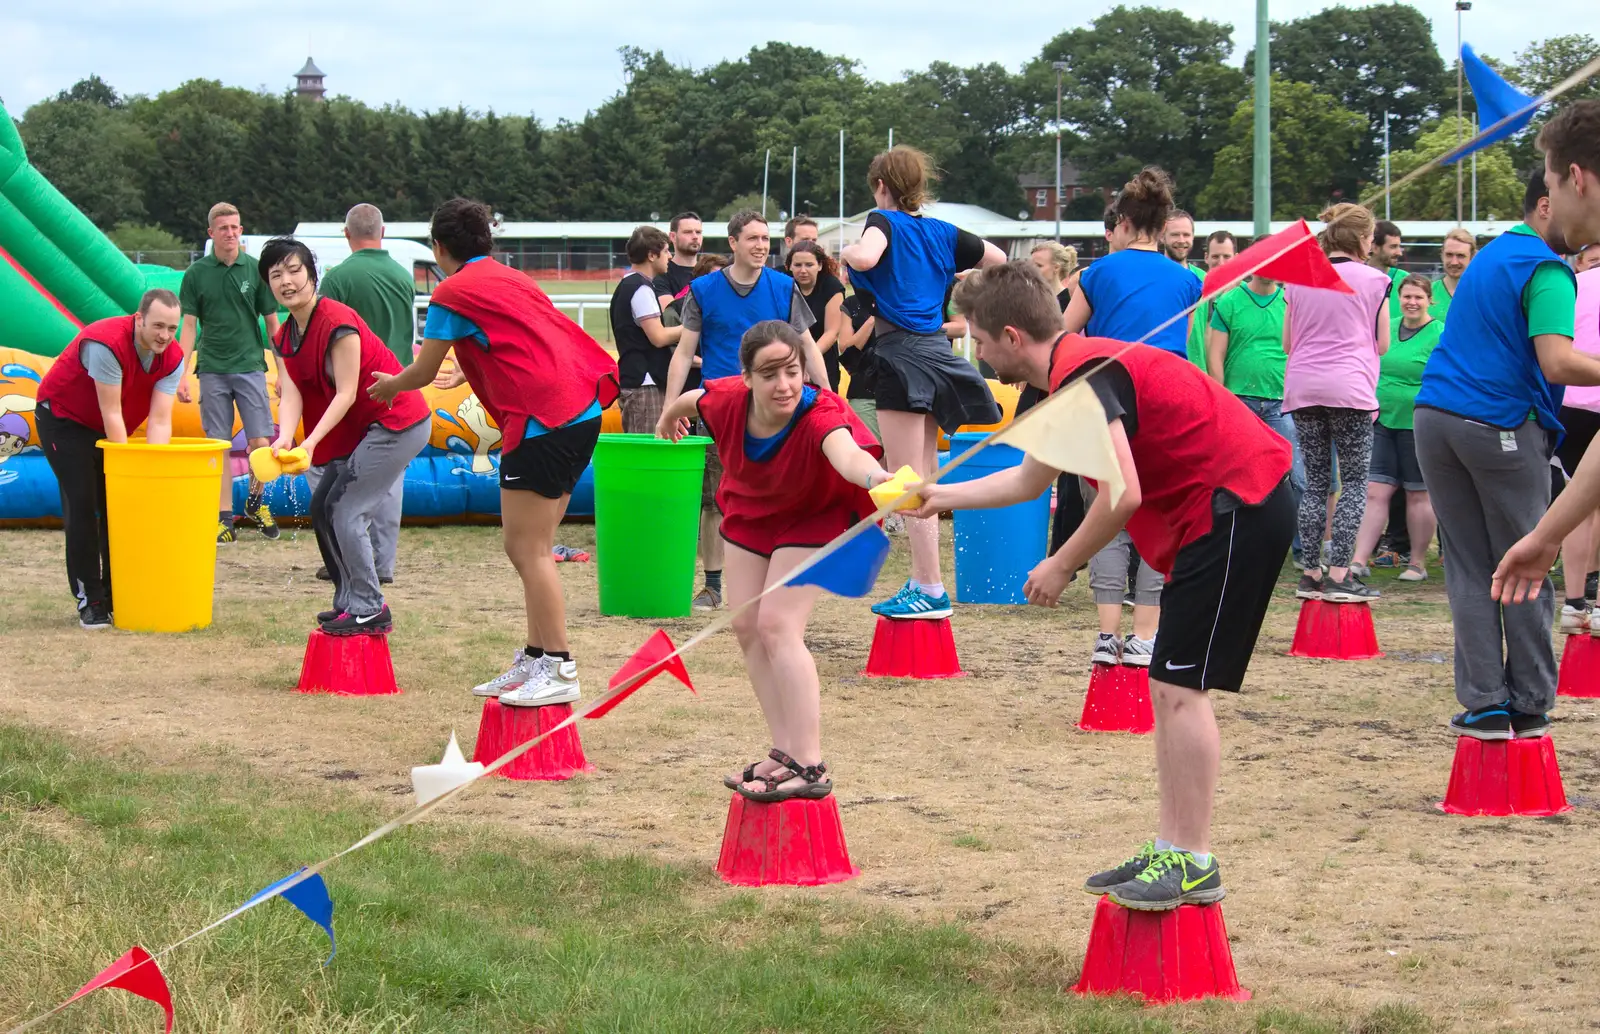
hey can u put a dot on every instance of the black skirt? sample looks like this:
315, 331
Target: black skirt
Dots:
920, 373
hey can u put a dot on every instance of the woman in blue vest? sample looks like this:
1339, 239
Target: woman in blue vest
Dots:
908, 261
1486, 427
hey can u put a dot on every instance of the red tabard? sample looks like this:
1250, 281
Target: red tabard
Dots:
1194, 437
538, 363
308, 368
796, 483
70, 390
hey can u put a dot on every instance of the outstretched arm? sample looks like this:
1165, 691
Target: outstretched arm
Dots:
855, 464
385, 386
677, 415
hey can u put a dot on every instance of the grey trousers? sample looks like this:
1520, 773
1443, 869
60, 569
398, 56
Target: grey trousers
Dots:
385, 528
1489, 489
348, 495
1108, 569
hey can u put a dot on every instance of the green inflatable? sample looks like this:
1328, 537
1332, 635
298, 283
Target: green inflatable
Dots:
57, 271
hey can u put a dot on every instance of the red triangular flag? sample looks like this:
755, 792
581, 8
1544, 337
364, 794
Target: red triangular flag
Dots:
650, 660
136, 973
1290, 256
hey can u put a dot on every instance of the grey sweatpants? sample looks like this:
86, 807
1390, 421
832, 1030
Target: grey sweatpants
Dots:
385, 528
1108, 569
1489, 488
349, 494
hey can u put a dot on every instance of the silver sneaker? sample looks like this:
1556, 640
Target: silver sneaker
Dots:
1107, 650
520, 671
1136, 652
553, 682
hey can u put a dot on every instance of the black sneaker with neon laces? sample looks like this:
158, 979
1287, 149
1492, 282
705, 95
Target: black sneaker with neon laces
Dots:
1101, 882
1171, 879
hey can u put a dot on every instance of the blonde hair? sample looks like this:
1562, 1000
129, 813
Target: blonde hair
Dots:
906, 172
1346, 226
218, 210
1463, 237
1063, 259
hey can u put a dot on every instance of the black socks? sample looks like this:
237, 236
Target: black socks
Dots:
714, 579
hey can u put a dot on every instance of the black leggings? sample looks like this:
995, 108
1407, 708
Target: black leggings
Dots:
80, 469
1321, 430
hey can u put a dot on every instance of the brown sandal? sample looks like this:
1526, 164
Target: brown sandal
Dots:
749, 775
815, 787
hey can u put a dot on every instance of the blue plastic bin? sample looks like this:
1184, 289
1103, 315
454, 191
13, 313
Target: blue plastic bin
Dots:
995, 549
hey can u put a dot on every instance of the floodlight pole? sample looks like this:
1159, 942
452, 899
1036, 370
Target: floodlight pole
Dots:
1262, 187
766, 172
1059, 66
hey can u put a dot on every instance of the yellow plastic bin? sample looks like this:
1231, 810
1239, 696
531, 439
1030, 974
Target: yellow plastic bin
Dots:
161, 506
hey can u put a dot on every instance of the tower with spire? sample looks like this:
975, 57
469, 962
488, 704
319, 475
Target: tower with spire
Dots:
308, 82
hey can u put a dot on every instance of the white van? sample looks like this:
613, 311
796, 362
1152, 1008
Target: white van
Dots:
330, 251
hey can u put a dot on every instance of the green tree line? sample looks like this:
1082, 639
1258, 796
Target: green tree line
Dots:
1142, 85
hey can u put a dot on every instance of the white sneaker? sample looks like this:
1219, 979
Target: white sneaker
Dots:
520, 671
1573, 620
1136, 652
554, 682
1413, 573
1107, 649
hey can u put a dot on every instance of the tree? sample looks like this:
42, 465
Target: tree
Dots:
751, 201
144, 243
1369, 60
92, 154
1144, 86
93, 90
1312, 139
1537, 70
1433, 194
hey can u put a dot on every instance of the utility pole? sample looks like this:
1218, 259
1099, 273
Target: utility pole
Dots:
841, 190
1461, 5
794, 173
1386, 208
1060, 67
766, 172
1474, 173
891, 138
1262, 192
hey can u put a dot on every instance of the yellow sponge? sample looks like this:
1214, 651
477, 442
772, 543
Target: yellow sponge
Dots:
886, 493
264, 465
294, 461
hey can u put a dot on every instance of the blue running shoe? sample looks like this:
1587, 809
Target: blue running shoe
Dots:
913, 604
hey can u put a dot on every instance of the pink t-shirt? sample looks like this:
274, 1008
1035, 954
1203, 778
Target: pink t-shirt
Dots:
1333, 341
1586, 337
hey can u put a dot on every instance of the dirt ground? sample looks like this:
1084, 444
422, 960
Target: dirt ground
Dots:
972, 799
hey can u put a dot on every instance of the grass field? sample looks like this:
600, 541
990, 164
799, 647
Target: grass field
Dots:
149, 784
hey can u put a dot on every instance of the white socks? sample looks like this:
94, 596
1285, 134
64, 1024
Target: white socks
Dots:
931, 588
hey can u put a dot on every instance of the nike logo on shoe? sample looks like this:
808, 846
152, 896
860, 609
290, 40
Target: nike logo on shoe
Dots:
1180, 667
1189, 884
366, 620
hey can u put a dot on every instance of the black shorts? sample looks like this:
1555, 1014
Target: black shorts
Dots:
1581, 427
552, 463
1218, 592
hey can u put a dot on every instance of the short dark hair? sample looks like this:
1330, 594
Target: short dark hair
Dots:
765, 333
462, 227
646, 241
680, 217
157, 294
1178, 213
279, 250
795, 223
1111, 217
741, 219
1572, 137
1221, 235
1383, 231
1536, 190
1010, 295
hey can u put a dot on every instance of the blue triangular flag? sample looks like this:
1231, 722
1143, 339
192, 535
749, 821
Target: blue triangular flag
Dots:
1497, 99
310, 896
852, 569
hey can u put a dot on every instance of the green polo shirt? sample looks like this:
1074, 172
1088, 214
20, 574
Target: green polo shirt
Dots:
1550, 298
1197, 331
381, 291
227, 300
1254, 363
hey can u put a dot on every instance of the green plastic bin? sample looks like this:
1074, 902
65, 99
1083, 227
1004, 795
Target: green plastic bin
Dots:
647, 523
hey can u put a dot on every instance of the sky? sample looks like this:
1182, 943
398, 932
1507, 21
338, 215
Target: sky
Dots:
559, 60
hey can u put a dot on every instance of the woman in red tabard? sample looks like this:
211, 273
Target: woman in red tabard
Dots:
326, 353
544, 382
797, 463
1207, 501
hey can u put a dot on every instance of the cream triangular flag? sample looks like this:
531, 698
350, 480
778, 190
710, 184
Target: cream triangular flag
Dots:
1068, 431
453, 770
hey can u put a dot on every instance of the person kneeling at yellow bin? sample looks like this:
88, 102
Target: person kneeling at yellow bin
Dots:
116, 373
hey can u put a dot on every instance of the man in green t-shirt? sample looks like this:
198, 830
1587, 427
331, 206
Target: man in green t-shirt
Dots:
384, 294
1244, 353
371, 282
222, 296
1388, 248
1456, 253
1221, 246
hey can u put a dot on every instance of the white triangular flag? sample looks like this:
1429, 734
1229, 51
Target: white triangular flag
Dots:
453, 770
1068, 432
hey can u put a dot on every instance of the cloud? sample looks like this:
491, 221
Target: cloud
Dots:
560, 59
